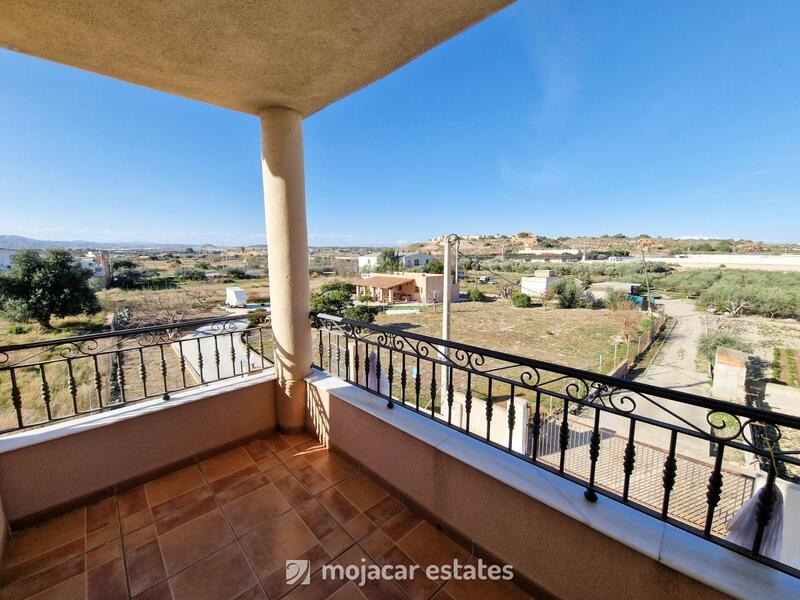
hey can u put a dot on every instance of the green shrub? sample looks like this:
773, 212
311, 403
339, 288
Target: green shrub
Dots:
568, 293
189, 274
360, 313
520, 300
475, 295
339, 286
18, 329
332, 302
618, 300
791, 367
711, 340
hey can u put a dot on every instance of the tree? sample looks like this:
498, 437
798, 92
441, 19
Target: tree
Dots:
360, 313
330, 303
40, 287
388, 261
520, 300
338, 285
435, 266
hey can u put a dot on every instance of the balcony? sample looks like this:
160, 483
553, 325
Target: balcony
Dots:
414, 454
191, 460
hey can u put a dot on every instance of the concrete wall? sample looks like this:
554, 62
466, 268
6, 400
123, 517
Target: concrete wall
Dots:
730, 375
46, 475
563, 557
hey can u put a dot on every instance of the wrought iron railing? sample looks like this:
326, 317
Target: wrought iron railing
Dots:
686, 459
50, 380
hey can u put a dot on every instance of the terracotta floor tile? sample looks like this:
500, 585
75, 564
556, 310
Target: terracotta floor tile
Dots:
311, 479
222, 576
339, 506
349, 591
296, 439
145, 567
258, 449
254, 593
240, 488
71, 589
372, 589
107, 581
136, 521
102, 514
234, 478
384, 510
186, 514
283, 538
252, 509
103, 554
359, 526
43, 562
376, 543
483, 590
174, 484
181, 500
418, 587
45, 537
427, 546
275, 584
332, 467
316, 518
44, 580
276, 443
197, 539
157, 592
362, 491
291, 489
337, 542
139, 537
101, 536
226, 463
401, 524
132, 501
275, 472
268, 463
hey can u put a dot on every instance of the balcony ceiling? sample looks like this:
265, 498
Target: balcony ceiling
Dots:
304, 54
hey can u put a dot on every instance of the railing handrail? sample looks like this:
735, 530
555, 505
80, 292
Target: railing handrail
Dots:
123, 332
754, 413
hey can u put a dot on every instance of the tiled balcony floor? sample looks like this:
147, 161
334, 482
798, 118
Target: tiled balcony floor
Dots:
223, 529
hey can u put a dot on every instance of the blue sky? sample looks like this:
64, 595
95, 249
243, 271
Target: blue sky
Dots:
563, 118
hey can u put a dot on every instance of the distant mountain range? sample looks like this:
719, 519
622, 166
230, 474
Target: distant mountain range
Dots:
18, 242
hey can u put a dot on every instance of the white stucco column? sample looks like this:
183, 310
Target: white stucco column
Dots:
287, 239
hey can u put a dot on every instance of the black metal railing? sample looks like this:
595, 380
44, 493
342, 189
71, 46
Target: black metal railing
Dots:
686, 459
50, 380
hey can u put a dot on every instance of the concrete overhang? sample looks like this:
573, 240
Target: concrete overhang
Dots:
243, 55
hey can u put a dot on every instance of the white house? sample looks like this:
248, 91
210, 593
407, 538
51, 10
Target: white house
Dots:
98, 263
538, 285
414, 259
5, 258
407, 260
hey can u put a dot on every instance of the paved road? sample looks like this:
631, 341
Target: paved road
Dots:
674, 368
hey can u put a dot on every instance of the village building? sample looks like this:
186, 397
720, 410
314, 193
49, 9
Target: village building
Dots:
405, 286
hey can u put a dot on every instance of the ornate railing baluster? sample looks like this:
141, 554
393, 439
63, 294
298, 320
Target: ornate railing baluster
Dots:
629, 460
98, 380
72, 386
182, 362
216, 356
563, 437
468, 400
594, 454
417, 384
433, 389
489, 410
338, 357
164, 372
233, 354
356, 364
512, 416
261, 346
670, 474
390, 373
142, 373
247, 351
450, 394
200, 360
403, 380
714, 488
120, 377
536, 425
346, 359
16, 396
330, 353
45, 389
366, 365
320, 350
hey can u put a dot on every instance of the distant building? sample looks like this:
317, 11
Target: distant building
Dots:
537, 286
98, 263
407, 260
600, 290
393, 288
5, 258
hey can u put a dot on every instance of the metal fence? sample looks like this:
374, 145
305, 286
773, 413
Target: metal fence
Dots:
683, 458
50, 380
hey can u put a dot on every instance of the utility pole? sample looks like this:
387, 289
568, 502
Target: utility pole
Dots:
446, 292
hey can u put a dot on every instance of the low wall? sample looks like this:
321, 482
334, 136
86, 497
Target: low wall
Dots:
558, 554
50, 467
